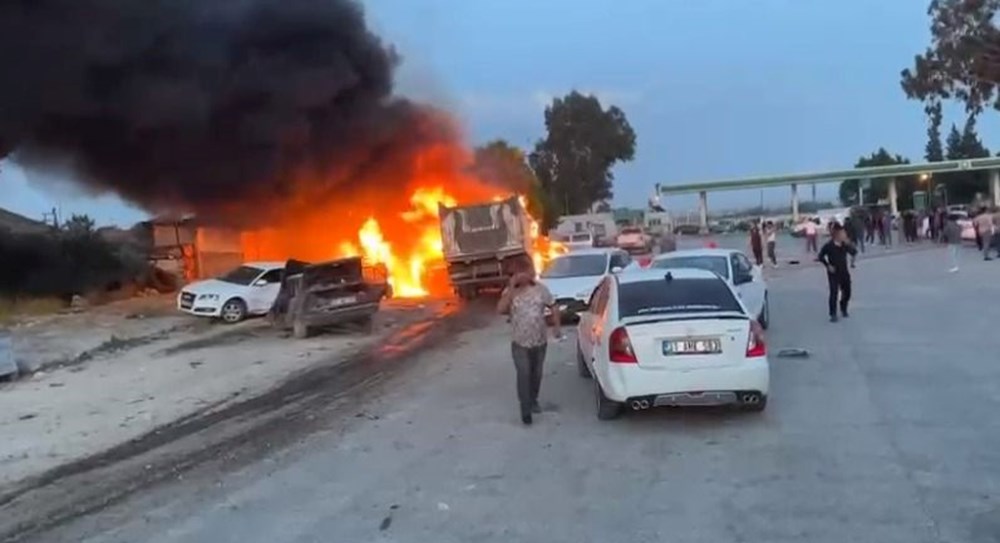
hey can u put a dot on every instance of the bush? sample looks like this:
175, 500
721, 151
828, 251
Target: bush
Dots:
60, 264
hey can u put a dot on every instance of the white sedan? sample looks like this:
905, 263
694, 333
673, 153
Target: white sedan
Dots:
247, 290
676, 337
732, 266
573, 276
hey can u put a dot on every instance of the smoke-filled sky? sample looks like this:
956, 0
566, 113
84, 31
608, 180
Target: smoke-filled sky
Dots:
715, 89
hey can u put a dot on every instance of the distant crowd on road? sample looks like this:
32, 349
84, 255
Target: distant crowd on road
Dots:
866, 227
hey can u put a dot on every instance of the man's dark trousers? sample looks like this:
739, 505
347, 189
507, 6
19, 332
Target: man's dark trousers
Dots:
528, 366
839, 283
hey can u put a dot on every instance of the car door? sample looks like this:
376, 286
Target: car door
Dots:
264, 290
749, 282
585, 328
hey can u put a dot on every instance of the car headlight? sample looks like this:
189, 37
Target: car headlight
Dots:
208, 296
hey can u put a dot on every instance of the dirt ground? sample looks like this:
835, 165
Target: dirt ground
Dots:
109, 374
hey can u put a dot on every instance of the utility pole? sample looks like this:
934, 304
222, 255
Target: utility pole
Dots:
54, 215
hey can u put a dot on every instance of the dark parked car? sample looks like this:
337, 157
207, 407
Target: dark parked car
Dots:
344, 291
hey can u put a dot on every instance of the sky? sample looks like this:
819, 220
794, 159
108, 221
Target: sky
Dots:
714, 89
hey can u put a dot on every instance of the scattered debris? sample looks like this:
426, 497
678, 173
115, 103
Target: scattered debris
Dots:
56, 385
443, 506
195, 363
27, 416
386, 522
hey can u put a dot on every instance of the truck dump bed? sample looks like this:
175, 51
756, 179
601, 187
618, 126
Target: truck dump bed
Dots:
483, 243
490, 229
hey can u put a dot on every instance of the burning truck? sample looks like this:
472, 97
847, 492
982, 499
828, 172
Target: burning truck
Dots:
483, 243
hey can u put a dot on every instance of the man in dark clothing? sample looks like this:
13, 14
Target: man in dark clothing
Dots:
834, 255
757, 243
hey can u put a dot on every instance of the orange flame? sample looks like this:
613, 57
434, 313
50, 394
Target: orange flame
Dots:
401, 233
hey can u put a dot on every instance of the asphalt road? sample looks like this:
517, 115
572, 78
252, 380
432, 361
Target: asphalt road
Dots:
887, 432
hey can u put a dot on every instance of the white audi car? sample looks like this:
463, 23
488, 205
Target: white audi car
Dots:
247, 290
671, 337
734, 267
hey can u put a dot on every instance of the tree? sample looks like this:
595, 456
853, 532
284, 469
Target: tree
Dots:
934, 151
879, 188
503, 165
963, 186
79, 226
963, 60
583, 142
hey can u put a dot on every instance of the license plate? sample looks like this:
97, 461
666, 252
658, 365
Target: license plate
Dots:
347, 300
673, 347
685, 399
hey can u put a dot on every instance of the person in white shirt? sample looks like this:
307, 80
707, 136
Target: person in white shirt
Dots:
808, 227
770, 236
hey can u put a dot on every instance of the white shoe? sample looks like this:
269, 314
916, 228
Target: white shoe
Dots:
953, 270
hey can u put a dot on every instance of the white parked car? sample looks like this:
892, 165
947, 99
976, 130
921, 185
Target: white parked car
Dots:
734, 267
248, 290
677, 337
572, 277
579, 240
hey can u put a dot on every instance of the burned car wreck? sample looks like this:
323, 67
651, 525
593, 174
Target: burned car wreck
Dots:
346, 291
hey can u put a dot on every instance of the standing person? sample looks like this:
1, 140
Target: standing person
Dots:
925, 225
952, 235
983, 224
525, 301
756, 243
870, 229
852, 236
771, 235
834, 256
888, 225
994, 242
810, 230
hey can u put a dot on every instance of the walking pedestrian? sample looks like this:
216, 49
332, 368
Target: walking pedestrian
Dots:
952, 234
756, 243
525, 301
983, 223
834, 255
810, 230
870, 229
771, 235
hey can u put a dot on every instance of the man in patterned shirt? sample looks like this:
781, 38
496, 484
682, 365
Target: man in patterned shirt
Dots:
525, 301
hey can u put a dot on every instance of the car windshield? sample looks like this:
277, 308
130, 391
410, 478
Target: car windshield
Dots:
631, 231
244, 275
660, 296
576, 266
580, 237
715, 264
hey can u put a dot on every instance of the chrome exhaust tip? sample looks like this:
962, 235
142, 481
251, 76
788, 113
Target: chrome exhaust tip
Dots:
751, 399
644, 404
636, 405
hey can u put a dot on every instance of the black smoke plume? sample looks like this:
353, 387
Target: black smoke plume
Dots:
192, 105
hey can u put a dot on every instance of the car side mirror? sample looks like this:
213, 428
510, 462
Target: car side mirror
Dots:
260, 283
742, 278
616, 269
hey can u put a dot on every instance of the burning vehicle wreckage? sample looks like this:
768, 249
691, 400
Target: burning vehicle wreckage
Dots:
480, 246
342, 291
